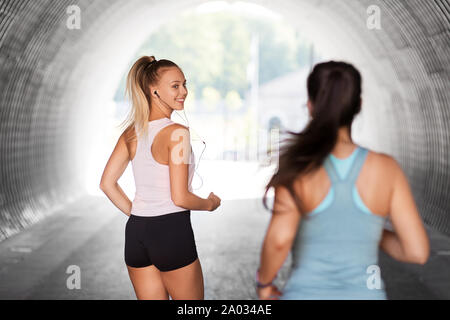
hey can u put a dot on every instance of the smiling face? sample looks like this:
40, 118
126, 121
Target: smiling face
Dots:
172, 88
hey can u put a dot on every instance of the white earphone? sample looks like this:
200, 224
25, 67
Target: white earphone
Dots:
187, 121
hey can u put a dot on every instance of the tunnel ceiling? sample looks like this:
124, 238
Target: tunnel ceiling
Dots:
53, 79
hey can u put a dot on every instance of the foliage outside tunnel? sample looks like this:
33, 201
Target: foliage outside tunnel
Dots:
214, 51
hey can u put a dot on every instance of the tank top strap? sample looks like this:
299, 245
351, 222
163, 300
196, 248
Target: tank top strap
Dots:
331, 170
154, 129
357, 165
142, 145
145, 142
157, 126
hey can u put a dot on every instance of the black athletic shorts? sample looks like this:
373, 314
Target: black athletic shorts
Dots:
165, 241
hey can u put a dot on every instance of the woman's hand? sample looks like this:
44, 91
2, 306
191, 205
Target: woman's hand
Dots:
215, 200
268, 293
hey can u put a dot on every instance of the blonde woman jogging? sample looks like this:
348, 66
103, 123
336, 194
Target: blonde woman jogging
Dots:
160, 250
332, 198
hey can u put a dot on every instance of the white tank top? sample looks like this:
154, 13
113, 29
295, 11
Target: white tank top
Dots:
153, 196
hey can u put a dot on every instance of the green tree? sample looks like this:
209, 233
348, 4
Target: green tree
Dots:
214, 50
211, 97
233, 100
279, 48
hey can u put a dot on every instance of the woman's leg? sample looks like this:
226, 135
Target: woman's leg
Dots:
185, 283
147, 283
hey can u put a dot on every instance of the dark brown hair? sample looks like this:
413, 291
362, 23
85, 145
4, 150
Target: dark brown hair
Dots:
334, 90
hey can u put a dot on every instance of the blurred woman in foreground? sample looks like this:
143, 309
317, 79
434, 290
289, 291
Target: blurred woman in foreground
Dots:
332, 198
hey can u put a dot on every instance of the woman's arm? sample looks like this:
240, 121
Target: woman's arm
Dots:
279, 238
114, 169
179, 148
409, 242
390, 243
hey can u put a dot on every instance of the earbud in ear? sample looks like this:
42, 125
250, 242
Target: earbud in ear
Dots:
156, 93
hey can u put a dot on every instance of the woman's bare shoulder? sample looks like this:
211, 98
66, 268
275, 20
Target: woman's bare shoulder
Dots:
129, 133
130, 139
176, 126
174, 132
383, 161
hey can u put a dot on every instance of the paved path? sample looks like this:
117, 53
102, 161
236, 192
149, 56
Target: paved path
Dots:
90, 235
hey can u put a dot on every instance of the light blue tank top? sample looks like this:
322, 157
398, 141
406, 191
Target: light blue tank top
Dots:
335, 251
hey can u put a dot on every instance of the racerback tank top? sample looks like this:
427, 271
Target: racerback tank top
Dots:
153, 195
335, 252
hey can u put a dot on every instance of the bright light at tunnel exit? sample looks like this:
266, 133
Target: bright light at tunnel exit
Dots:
214, 174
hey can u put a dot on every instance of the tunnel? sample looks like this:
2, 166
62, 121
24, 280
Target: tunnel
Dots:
55, 79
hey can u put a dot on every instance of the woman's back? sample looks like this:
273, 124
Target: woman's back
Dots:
345, 204
153, 191
374, 183
331, 212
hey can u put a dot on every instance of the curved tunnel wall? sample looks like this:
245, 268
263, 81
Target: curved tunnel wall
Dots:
54, 80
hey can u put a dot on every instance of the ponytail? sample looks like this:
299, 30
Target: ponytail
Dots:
334, 90
146, 71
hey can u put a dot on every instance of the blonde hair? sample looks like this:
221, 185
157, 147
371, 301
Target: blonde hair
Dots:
146, 71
